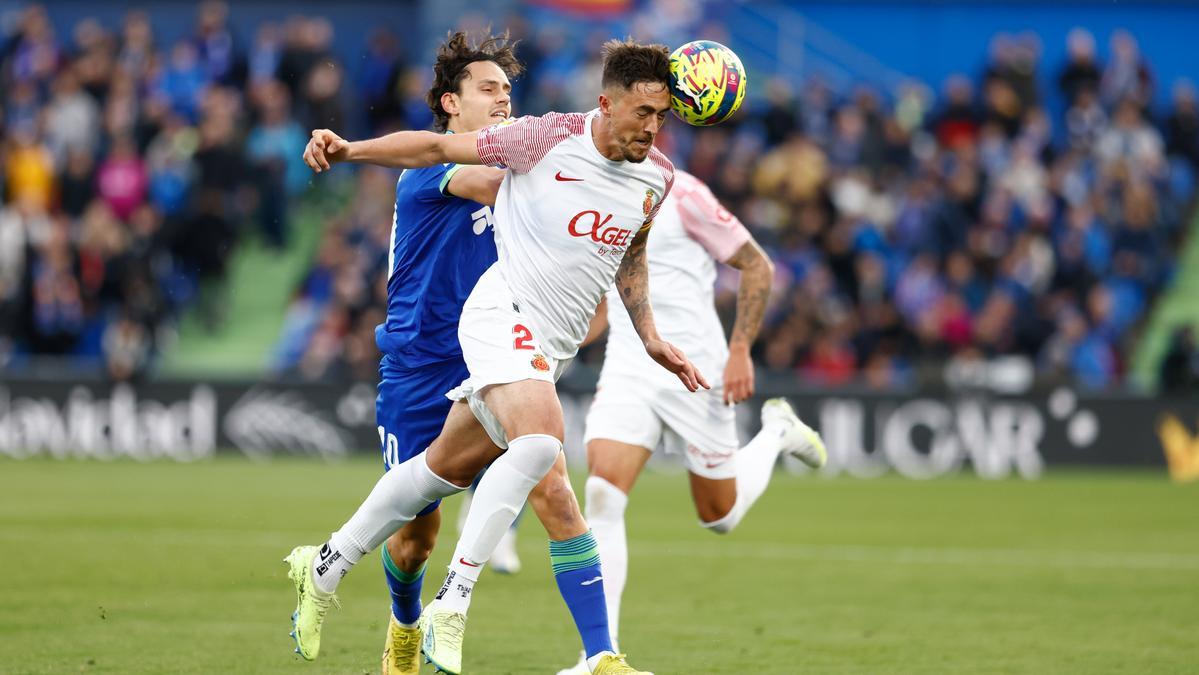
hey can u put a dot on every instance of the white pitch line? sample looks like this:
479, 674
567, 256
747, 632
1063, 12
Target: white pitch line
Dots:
1003, 557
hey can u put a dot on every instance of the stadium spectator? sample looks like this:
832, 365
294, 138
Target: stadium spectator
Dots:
272, 146
216, 48
1081, 72
121, 178
125, 175
1127, 76
907, 229
1182, 126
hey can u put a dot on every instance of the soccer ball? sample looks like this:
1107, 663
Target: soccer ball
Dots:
707, 83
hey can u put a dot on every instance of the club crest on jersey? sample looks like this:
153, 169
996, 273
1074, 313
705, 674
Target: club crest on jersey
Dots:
540, 363
648, 204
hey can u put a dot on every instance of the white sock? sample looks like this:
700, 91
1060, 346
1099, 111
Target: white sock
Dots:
605, 514
395, 500
755, 466
467, 498
328, 567
500, 495
455, 593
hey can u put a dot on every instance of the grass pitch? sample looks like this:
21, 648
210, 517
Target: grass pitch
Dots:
160, 568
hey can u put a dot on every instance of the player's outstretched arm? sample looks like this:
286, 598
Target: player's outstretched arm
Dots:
477, 183
632, 281
757, 275
399, 150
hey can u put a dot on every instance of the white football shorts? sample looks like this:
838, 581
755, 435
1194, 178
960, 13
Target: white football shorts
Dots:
696, 424
499, 347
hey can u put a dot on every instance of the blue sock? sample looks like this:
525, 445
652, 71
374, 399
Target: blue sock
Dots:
577, 570
405, 590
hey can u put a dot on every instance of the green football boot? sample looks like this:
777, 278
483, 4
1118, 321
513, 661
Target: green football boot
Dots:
311, 603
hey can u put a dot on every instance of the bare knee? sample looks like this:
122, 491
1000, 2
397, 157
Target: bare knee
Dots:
714, 508
458, 473
462, 450
714, 501
618, 464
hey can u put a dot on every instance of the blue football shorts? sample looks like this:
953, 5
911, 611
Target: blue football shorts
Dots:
411, 408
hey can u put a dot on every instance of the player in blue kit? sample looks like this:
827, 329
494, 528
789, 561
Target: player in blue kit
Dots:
441, 243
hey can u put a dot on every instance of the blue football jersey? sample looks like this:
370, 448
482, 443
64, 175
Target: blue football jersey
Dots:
440, 246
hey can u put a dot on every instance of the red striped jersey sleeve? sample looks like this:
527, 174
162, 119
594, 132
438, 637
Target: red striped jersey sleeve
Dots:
664, 165
521, 143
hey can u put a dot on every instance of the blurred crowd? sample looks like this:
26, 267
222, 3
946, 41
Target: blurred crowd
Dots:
1030, 211
910, 229
130, 167
913, 229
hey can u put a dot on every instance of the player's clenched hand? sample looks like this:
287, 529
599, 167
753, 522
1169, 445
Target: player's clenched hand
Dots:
671, 358
738, 375
324, 149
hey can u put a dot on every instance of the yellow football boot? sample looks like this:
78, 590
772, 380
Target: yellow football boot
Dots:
401, 654
614, 664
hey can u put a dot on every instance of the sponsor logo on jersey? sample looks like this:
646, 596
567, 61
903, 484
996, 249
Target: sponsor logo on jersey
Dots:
590, 224
648, 204
539, 363
566, 179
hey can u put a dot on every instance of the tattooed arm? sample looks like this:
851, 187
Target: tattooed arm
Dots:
632, 282
757, 274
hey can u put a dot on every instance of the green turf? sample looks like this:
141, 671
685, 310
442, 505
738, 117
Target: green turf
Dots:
157, 568
1173, 308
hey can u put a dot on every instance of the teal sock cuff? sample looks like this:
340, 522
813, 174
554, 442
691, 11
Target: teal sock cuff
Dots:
574, 554
399, 574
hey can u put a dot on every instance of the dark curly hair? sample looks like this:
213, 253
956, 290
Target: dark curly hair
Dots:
450, 69
627, 63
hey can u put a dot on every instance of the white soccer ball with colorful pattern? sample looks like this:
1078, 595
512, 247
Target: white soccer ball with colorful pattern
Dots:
707, 83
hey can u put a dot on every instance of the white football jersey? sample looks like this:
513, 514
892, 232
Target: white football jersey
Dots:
691, 234
564, 216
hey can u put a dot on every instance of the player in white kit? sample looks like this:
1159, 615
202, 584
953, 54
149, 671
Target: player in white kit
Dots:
635, 410
573, 214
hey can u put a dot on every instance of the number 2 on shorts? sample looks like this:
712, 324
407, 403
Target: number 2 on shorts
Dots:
523, 337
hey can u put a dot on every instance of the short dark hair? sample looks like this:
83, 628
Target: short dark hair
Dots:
627, 63
450, 69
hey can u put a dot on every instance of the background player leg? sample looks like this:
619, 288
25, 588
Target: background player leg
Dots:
721, 504
613, 469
